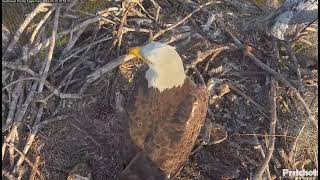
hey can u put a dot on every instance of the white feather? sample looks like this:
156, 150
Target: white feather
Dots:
166, 68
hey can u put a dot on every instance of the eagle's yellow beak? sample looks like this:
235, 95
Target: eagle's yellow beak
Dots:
135, 51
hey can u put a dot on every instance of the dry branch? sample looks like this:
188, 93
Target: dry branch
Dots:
297, 66
6, 174
273, 112
44, 74
263, 155
182, 20
13, 104
34, 170
39, 25
17, 66
27, 160
73, 40
19, 117
292, 149
275, 74
40, 8
260, 108
53, 69
203, 55
34, 51
108, 67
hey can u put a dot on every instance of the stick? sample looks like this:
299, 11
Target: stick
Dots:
27, 160
263, 155
13, 104
41, 7
158, 9
203, 55
77, 52
291, 150
259, 107
51, 48
44, 75
6, 174
182, 20
20, 67
73, 40
94, 15
42, 21
273, 111
275, 74
108, 67
17, 81
34, 51
19, 117
263, 135
33, 172
296, 64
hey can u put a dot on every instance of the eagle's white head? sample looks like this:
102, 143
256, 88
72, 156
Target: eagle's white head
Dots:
165, 65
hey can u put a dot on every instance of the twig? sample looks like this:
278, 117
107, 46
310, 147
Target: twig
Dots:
44, 75
17, 81
104, 69
120, 30
6, 174
158, 9
33, 172
263, 155
42, 21
263, 135
40, 8
34, 51
175, 38
53, 69
128, 29
94, 15
182, 20
291, 150
296, 64
108, 67
275, 74
27, 160
13, 104
203, 55
17, 66
19, 117
73, 40
51, 48
260, 108
273, 112
53, 89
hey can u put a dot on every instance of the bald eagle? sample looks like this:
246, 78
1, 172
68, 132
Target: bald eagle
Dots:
165, 113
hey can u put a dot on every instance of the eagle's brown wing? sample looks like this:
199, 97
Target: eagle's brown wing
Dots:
166, 124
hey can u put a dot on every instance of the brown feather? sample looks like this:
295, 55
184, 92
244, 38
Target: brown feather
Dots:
165, 125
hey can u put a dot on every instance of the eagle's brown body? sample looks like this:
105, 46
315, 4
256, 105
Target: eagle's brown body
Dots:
164, 125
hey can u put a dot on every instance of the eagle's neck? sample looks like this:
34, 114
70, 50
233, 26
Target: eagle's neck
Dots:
165, 76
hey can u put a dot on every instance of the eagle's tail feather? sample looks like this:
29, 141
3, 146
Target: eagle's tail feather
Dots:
142, 167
